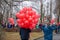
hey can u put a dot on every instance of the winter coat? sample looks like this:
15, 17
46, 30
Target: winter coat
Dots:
48, 31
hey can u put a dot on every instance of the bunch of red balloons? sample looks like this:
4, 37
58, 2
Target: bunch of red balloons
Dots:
27, 18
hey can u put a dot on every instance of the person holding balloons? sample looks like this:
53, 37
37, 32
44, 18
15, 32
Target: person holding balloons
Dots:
26, 20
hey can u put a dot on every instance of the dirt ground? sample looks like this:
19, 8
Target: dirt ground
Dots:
15, 35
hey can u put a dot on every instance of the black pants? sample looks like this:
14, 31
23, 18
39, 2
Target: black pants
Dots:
24, 33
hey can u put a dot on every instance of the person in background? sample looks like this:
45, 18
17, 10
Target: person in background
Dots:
48, 30
9, 26
3, 24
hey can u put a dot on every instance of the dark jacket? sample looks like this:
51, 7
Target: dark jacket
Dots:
24, 33
9, 25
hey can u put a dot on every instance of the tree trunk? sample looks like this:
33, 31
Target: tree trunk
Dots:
2, 33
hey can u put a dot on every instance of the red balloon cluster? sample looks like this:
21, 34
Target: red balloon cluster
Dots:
11, 20
27, 18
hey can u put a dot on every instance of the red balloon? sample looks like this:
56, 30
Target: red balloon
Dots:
30, 19
33, 16
37, 16
36, 21
33, 13
52, 21
21, 11
23, 19
26, 23
29, 13
29, 9
20, 25
12, 23
18, 21
25, 9
18, 15
21, 15
32, 26
26, 16
11, 20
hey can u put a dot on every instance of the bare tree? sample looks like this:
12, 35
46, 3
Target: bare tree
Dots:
58, 10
